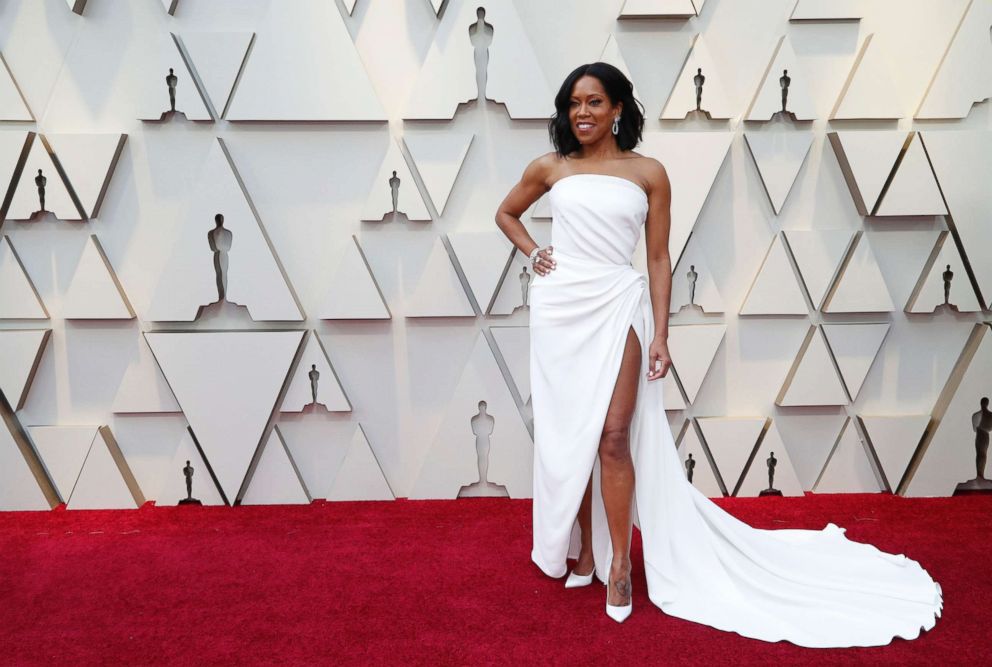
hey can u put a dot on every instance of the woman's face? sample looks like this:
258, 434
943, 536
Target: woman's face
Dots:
590, 111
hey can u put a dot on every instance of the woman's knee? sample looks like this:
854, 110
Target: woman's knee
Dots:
614, 445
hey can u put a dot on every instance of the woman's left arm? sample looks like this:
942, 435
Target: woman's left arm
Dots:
657, 228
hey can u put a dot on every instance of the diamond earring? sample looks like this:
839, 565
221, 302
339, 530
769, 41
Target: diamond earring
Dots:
616, 124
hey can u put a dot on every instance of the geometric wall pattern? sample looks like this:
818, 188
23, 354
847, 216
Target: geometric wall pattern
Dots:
715, 103
773, 94
448, 78
951, 453
95, 293
694, 458
848, 469
961, 161
832, 262
950, 95
937, 288
227, 384
860, 287
21, 351
19, 299
105, 480
306, 388
481, 440
775, 290
223, 254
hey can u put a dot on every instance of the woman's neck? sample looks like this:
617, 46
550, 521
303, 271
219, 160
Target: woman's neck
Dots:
606, 149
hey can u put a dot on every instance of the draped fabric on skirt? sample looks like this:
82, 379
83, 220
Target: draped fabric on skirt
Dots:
813, 588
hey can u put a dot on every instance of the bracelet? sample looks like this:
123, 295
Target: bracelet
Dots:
533, 254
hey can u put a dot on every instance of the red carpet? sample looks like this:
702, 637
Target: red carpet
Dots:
445, 582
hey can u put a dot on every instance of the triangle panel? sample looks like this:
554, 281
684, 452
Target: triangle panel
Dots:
812, 379
63, 449
245, 259
275, 480
771, 460
944, 282
913, 190
13, 106
693, 457
775, 290
785, 74
693, 161
949, 459
20, 488
950, 94
693, 348
778, 156
514, 346
95, 293
315, 382
453, 461
439, 292
730, 440
860, 287
174, 486
40, 174
894, 439
714, 101
143, 388
867, 158
354, 293
20, 355
105, 481
855, 347
447, 77
693, 286
360, 476
394, 180
818, 254
438, 157
218, 58
848, 470
227, 384
318, 448
89, 161
164, 76
302, 60
19, 300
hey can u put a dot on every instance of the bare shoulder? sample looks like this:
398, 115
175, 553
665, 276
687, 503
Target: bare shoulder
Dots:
654, 174
541, 170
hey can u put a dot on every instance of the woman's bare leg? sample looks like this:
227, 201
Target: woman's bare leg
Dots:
618, 468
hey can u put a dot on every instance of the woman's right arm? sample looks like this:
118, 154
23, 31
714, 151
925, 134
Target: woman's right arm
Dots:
533, 184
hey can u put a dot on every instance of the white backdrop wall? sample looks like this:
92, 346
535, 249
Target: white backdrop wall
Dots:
403, 376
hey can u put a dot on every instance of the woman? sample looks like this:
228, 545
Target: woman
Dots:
598, 346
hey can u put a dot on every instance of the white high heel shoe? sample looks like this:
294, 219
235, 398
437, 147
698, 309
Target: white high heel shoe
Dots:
578, 580
618, 613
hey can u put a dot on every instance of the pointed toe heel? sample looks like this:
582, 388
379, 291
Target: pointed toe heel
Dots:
619, 613
578, 580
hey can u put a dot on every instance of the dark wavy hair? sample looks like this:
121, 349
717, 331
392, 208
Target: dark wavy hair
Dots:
618, 88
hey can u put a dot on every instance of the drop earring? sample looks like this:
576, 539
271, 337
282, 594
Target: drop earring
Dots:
616, 124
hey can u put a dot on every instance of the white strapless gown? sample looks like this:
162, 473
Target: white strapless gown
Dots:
813, 588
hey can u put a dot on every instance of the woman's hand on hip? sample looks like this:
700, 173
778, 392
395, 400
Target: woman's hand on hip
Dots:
544, 263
